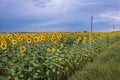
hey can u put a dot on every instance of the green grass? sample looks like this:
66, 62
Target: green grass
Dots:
106, 66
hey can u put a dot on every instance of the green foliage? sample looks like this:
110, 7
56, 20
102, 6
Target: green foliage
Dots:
105, 67
36, 63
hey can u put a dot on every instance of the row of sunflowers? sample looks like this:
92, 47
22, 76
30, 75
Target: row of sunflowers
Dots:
49, 56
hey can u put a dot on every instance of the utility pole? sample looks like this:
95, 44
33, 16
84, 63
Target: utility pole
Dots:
91, 22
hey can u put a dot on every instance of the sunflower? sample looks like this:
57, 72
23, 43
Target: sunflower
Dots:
60, 58
48, 50
62, 45
20, 38
14, 42
84, 40
42, 38
58, 50
36, 39
22, 49
59, 37
65, 39
4, 41
11, 38
29, 40
77, 40
53, 50
3, 46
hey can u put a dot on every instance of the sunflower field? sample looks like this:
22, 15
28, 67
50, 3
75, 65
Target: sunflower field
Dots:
49, 55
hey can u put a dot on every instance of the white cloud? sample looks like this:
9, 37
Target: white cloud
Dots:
41, 8
110, 16
114, 29
50, 13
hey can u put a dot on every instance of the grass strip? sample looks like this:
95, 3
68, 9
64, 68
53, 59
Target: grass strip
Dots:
106, 66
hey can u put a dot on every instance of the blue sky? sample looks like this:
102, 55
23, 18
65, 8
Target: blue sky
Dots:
58, 15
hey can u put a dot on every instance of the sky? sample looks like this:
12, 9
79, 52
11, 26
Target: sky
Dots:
59, 15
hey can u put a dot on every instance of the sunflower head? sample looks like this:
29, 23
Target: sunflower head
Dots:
3, 46
48, 50
62, 45
14, 42
29, 40
53, 50
60, 58
36, 39
3, 41
42, 38
59, 37
77, 40
65, 39
58, 50
22, 49
19, 38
